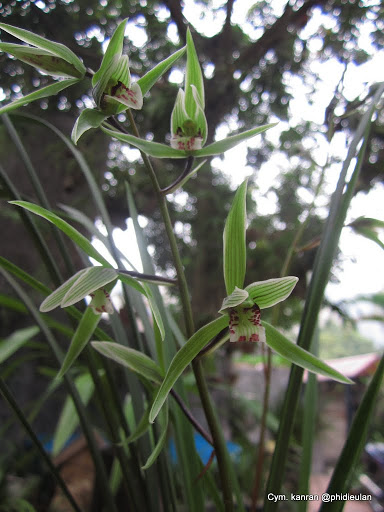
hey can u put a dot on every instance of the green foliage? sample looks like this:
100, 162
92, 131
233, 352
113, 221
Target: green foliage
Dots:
143, 337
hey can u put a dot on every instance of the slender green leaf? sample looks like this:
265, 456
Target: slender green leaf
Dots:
73, 234
93, 279
131, 358
141, 427
183, 358
149, 79
216, 148
354, 445
149, 148
42, 60
55, 298
297, 355
56, 48
234, 246
84, 331
88, 119
323, 262
15, 341
268, 293
69, 420
163, 417
145, 290
44, 92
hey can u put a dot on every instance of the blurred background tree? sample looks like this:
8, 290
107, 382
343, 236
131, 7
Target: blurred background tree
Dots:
257, 58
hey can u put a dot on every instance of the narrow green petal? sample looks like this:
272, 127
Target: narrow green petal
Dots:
55, 48
150, 148
130, 358
268, 293
237, 297
44, 92
297, 355
113, 52
149, 79
93, 279
42, 60
194, 76
55, 298
88, 119
216, 148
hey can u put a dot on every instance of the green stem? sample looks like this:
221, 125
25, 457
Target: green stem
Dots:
4, 390
213, 423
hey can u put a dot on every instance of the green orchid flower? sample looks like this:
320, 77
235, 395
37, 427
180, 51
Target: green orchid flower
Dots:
188, 123
113, 90
243, 307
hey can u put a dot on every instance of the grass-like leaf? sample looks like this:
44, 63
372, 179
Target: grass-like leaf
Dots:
83, 333
15, 341
145, 290
149, 79
73, 234
234, 241
297, 355
183, 358
40, 42
69, 420
133, 359
90, 281
88, 119
355, 443
163, 417
44, 92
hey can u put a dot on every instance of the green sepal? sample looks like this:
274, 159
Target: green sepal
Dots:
44, 92
112, 53
193, 77
221, 146
44, 44
297, 355
268, 293
88, 119
234, 244
66, 228
54, 300
42, 60
149, 79
130, 358
90, 281
149, 148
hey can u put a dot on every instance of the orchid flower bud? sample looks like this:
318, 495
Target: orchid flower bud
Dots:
113, 91
188, 122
